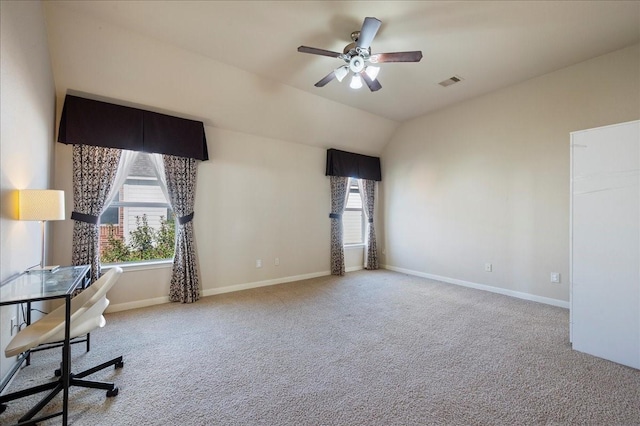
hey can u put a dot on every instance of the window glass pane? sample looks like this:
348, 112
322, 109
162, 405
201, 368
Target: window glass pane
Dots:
110, 216
352, 223
353, 218
354, 201
139, 224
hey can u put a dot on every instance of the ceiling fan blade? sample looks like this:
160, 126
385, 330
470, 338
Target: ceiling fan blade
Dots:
315, 51
369, 29
396, 57
326, 79
374, 85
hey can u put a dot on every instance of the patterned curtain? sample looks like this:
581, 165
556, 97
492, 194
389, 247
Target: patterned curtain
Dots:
180, 176
94, 170
339, 194
368, 192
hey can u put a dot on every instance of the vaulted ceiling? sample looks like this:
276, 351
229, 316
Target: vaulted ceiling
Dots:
489, 44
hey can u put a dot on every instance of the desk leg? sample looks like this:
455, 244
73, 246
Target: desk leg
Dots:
28, 319
66, 360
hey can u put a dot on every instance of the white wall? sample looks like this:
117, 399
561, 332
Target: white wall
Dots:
487, 180
27, 115
261, 199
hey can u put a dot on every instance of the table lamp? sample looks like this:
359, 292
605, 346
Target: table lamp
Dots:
41, 205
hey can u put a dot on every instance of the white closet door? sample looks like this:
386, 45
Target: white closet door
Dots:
605, 276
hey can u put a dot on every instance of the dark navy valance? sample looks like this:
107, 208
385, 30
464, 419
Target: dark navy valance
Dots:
90, 122
348, 164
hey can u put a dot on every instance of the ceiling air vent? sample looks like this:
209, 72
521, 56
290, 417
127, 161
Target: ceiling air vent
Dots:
452, 80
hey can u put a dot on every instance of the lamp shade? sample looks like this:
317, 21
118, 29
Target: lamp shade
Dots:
341, 72
356, 81
41, 204
372, 71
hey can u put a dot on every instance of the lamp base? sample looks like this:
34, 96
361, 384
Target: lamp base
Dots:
51, 268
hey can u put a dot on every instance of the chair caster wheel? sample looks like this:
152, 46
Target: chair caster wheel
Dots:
119, 364
112, 392
58, 372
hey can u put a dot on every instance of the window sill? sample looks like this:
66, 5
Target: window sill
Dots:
353, 246
140, 266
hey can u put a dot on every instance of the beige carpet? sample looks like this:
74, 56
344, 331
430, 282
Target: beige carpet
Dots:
371, 348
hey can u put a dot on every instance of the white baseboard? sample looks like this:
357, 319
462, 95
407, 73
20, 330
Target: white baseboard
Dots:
504, 291
220, 290
256, 284
137, 304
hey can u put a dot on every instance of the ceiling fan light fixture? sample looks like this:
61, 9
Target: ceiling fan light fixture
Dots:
341, 72
372, 71
356, 82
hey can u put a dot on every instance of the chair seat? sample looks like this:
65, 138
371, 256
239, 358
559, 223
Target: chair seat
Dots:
27, 338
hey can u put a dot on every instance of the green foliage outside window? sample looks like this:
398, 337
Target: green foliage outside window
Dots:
145, 242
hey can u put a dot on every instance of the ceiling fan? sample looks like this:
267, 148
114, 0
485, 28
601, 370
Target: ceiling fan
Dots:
358, 58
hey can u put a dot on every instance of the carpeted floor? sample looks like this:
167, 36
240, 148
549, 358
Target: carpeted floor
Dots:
370, 348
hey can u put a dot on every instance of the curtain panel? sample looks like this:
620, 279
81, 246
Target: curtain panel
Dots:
339, 194
180, 181
94, 171
368, 191
127, 158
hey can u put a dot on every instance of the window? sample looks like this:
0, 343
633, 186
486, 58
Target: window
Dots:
353, 216
138, 225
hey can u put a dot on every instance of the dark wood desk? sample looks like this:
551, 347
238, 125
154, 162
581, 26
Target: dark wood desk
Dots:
36, 286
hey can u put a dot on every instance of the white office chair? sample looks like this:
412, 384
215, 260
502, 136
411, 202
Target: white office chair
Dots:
86, 315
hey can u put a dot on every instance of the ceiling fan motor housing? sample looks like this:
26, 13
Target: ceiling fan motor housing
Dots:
356, 64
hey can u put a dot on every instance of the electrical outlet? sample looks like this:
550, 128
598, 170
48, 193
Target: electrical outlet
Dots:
14, 324
488, 267
277, 261
555, 277
258, 263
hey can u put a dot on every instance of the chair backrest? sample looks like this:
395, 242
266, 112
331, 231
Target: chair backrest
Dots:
89, 295
104, 284
87, 312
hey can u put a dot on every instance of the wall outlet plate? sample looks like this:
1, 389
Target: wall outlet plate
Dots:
488, 267
555, 277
